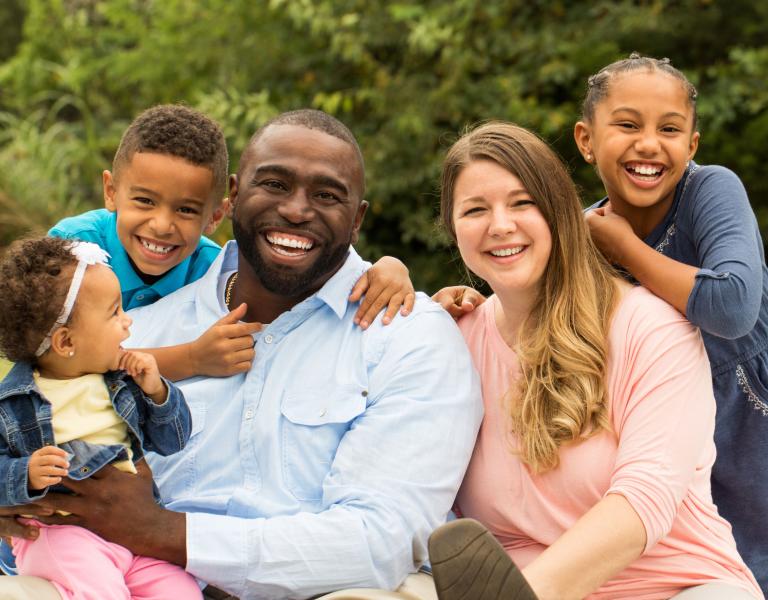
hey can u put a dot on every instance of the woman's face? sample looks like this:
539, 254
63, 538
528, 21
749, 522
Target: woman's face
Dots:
500, 231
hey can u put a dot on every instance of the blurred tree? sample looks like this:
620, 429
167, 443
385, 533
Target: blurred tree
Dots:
405, 75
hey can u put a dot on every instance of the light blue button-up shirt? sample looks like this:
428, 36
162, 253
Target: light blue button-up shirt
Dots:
329, 463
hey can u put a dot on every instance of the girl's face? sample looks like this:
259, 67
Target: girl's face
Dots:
641, 138
99, 325
500, 231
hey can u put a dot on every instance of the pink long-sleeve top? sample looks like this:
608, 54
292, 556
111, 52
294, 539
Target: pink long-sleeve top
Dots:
658, 455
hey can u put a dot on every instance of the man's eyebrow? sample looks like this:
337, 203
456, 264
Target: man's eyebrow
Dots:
276, 169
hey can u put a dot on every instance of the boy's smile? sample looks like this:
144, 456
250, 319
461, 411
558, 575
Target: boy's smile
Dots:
164, 204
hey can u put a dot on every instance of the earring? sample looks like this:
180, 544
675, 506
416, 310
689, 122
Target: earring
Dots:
71, 353
589, 157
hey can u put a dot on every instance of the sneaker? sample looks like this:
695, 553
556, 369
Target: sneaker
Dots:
469, 564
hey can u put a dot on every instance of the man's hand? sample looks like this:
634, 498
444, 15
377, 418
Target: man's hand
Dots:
10, 526
609, 232
385, 284
121, 508
143, 368
458, 300
226, 348
47, 466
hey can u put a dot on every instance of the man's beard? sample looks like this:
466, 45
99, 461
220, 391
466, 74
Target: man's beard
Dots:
283, 280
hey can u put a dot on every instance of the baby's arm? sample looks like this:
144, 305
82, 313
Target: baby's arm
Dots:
665, 277
47, 466
458, 300
386, 283
225, 349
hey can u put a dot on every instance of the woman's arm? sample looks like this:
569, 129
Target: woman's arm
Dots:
603, 542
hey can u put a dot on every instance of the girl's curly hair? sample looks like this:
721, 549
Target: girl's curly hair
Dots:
32, 293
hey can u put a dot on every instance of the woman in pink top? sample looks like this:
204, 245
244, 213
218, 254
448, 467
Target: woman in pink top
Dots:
592, 464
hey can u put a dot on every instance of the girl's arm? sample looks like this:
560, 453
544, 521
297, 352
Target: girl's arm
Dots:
665, 277
604, 541
386, 283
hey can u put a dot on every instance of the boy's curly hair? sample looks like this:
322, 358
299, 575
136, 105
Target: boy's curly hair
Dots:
32, 293
179, 131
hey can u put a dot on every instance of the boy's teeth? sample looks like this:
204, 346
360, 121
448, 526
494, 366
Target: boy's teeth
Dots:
289, 242
155, 248
507, 251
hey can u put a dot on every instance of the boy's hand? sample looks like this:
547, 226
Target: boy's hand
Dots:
385, 284
609, 232
226, 348
143, 368
47, 466
458, 300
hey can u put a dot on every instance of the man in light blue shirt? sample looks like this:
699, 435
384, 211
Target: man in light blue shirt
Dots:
330, 462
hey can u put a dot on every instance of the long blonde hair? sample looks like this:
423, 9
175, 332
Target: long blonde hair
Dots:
562, 394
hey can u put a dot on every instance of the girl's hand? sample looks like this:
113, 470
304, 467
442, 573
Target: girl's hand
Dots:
143, 368
47, 466
458, 300
609, 231
226, 348
385, 284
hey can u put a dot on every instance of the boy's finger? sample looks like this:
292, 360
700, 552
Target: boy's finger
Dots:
395, 302
243, 329
241, 356
374, 309
233, 316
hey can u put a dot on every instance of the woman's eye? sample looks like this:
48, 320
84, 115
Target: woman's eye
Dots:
473, 211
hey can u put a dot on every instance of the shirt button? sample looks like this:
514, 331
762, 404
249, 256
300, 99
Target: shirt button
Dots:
140, 297
249, 414
321, 413
268, 339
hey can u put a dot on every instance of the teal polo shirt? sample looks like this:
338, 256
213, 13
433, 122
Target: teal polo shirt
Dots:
100, 227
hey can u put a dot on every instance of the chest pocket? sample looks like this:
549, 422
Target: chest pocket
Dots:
312, 427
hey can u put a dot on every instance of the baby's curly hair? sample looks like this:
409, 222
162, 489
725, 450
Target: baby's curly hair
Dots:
180, 131
33, 290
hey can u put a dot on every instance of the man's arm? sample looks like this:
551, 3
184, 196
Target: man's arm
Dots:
120, 507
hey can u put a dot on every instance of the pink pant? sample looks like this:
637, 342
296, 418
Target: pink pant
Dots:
83, 566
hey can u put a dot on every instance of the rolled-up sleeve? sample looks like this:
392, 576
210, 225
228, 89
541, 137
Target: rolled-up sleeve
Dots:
727, 294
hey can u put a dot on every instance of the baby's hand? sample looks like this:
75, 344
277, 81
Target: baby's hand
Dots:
385, 284
47, 466
227, 347
143, 368
458, 300
609, 231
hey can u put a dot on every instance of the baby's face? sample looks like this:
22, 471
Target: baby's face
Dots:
99, 326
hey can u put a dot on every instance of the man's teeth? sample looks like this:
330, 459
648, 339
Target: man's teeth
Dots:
289, 242
645, 170
507, 251
155, 248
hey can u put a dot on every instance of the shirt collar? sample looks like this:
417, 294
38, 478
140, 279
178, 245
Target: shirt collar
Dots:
334, 293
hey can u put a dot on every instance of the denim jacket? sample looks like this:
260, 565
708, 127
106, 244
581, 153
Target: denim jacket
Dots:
25, 426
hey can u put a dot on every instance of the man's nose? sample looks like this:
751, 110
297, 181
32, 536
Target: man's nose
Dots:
296, 208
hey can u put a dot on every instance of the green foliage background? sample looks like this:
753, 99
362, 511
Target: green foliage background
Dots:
405, 76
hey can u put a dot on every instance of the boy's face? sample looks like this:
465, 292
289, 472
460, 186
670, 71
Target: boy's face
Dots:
163, 204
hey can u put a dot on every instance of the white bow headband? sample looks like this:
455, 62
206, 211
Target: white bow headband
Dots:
86, 253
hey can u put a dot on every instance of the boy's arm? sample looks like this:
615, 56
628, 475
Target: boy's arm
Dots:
386, 283
225, 349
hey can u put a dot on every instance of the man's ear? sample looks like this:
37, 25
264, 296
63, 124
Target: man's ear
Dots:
216, 217
108, 184
583, 137
230, 202
359, 220
61, 342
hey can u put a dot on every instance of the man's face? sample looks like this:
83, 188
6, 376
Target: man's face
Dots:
296, 207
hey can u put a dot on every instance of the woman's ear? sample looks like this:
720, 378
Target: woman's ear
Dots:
583, 137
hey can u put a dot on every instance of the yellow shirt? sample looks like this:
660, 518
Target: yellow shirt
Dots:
81, 410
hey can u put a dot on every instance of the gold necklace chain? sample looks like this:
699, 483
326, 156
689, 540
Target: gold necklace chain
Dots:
228, 290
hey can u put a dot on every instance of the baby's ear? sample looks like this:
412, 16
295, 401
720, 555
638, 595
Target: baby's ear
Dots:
61, 343
216, 217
